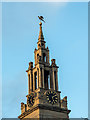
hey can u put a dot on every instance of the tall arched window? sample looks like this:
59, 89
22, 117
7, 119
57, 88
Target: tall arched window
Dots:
44, 57
46, 79
35, 80
37, 55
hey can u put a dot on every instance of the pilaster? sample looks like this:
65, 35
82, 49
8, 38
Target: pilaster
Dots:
57, 80
40, 77
37, 77
53, 79
33, 81
30, 81
43, 77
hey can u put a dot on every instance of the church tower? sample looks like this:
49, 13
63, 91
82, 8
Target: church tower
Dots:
43, 99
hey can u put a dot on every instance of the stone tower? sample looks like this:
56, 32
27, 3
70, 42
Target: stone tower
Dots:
43, 99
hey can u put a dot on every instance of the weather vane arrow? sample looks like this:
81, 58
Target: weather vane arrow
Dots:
41, 18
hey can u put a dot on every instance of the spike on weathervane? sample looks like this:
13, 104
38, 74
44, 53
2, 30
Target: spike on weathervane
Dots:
41, 18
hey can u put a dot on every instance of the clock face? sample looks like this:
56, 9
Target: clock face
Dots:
30, 100
52, 97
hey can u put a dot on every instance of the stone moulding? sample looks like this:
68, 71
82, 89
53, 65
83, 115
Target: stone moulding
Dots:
39, 106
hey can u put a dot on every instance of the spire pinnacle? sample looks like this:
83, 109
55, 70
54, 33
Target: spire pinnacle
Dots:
41, 37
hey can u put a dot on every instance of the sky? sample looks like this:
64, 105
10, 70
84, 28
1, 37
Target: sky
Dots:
88, 59
66, 35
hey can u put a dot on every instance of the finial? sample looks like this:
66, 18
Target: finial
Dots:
47, 47
40, 23
41, 18
40, 32
65, 98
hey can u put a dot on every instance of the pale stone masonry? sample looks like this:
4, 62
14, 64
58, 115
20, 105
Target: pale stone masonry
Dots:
43, 99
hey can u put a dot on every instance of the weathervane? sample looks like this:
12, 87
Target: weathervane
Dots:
41, 18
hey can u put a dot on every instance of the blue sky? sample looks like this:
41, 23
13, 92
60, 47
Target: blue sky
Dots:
66, 35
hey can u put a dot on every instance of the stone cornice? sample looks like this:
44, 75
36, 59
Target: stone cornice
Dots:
43, 49
40, 106
54, 66
41, 41
41, 88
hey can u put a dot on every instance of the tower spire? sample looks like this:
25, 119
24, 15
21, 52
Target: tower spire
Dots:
43, 86
41, 37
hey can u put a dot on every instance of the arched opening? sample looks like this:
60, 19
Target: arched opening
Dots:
49, 81
46, 79
39, 45
35, 80
42, 44
37, 55
44, 57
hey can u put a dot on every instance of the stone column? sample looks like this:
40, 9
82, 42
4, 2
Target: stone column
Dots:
33, 81
53, 79
43, 77
28, 83
48, 56
37, 78
56, 79
51, 82
40, 77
